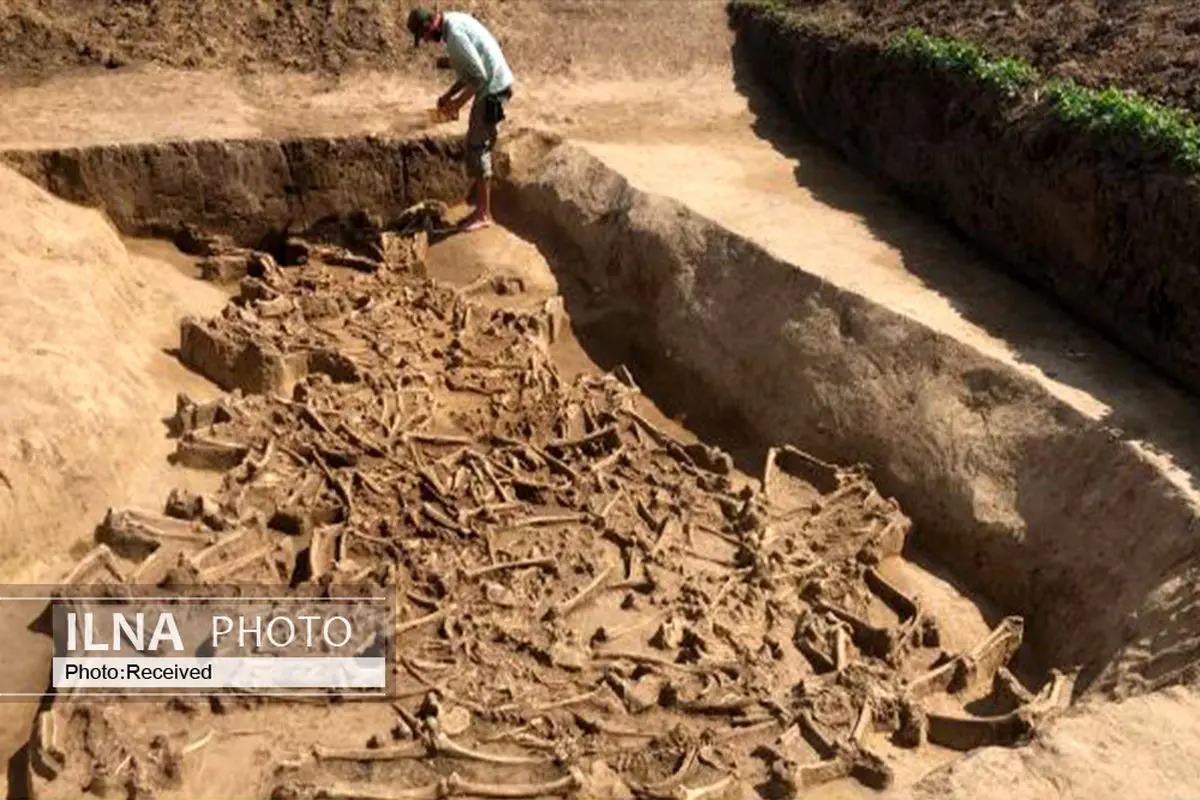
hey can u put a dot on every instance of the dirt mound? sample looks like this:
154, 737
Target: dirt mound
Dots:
558, 37
1150, 46
47, 33
77, 405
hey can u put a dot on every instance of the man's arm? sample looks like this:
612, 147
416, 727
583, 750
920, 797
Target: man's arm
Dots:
446, 98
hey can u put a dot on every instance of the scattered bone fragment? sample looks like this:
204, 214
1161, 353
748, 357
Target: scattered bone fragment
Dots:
1009, 690
98, 566
869, 638
769, 472
841, 658
583, 595
45, 755
864, 723
444, 745
890, 542
428, 619
455, 721
231, 568
190, 415
412, 750
976, 669
904, 606
821, 475
810, 776
204, 452
192, 747
136, 533
667, 786
1053, 698
938, 679
543, 562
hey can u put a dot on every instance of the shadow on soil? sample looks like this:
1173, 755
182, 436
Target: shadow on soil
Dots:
1002, 305
612, 336
18, 781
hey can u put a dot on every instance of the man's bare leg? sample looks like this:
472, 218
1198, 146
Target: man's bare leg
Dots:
481, 217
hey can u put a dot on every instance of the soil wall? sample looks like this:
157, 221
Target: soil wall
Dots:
250, 188
1116, 239
44, 37
1017, 493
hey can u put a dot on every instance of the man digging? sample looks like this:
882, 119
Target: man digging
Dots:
484, 77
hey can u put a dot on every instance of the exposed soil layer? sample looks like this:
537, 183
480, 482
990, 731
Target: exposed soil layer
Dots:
1151, 46
276, 186
547, 37
1113, 237
79, 405
590, 602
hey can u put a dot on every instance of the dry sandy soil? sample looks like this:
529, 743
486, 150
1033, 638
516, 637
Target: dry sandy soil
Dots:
542, 37
87, 316
1145, 45
97, 379
1151, 46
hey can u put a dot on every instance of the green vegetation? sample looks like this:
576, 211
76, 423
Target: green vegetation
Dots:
1009, 76
1143, 126
777, 6
779, 10
1157, 129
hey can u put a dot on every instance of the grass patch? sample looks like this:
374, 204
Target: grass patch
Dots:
1143, 127
1158, 130
778, 10
1009, 76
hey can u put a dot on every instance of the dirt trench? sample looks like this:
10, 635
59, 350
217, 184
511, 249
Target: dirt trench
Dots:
1039, 506
732, 601
665, 614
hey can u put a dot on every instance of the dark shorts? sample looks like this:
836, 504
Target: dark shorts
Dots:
487, 112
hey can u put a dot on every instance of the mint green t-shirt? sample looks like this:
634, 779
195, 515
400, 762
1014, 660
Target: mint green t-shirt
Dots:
475, 54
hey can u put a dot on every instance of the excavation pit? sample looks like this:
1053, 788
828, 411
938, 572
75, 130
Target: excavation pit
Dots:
493, 424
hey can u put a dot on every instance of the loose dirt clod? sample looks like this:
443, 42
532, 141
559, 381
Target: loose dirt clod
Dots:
572, 576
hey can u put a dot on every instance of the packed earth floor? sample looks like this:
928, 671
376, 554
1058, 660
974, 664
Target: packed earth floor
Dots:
589, 603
